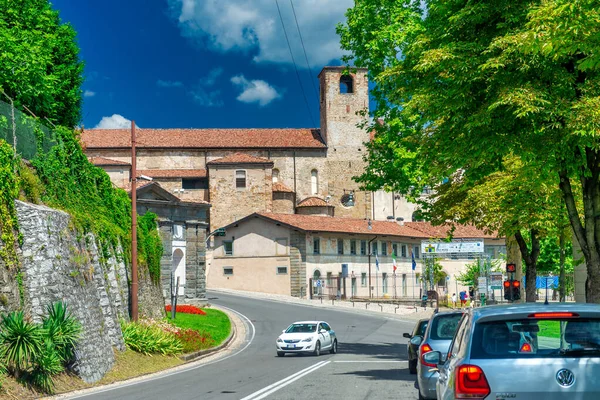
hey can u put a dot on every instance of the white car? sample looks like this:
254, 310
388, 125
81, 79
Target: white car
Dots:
307, 337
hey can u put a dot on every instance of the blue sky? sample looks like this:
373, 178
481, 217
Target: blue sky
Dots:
202, 63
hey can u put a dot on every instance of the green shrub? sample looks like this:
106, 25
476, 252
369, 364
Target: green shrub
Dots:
62, 330
22, 341
47, 364
148, 338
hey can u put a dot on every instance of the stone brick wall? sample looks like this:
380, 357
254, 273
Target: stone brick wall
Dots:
283, 203
59, 266
229, 203
195, 286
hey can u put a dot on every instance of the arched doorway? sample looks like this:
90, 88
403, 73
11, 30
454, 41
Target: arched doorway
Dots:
316, 276
178, 270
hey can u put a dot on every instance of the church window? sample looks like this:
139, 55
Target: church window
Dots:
314, 181
346, 84
240, 179
275, 175
194, 183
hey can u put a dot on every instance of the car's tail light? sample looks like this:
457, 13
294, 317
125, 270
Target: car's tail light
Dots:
424, 349
471, 383
526, 348
554, 315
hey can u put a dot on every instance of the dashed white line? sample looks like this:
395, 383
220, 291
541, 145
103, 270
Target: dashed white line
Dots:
264, 392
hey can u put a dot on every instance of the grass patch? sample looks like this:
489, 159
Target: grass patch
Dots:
131, 364
216, 323
128, 364
550, 329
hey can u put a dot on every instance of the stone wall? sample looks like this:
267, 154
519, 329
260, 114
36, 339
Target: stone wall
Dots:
230, 203
58, 263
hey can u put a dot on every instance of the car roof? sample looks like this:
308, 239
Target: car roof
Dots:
445, 313
526, 308
307, 322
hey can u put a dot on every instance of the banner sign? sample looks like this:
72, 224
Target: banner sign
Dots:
429, 247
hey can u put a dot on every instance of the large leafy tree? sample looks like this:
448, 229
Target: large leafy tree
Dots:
464, 85
517, 201
39, 61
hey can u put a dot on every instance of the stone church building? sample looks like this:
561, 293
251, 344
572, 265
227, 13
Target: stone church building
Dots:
233, 173
242, 171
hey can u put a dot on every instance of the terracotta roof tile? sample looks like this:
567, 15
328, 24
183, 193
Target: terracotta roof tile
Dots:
205, 138
173, 173
240, 158
280, 187
312, 202
101, 161
315, 223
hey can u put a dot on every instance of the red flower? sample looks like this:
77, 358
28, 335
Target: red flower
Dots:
187, 309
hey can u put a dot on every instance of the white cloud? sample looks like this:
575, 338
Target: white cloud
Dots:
89, 93
255, 91
207, 98
168, 84
115, 121
202, 94
253, 26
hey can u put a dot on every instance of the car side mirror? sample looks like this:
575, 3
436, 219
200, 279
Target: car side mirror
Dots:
323, 331
283, 331
416, 340
407, 335
433, 357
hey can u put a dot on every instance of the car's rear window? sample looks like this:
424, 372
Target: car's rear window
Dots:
536, 338
422, 328
444, 326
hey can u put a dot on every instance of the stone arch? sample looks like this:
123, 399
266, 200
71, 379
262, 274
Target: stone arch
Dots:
346, 84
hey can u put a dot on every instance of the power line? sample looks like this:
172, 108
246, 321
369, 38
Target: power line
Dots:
304, 49
295, 66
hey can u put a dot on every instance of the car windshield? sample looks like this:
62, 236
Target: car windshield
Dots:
301, 328
444, 326
536, 338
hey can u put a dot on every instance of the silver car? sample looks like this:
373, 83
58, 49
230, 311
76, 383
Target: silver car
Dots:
438, 336
523, 351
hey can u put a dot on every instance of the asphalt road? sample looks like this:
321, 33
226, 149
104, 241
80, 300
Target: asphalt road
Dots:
371, 362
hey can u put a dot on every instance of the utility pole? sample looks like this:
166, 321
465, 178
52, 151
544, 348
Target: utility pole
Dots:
134, 269
369, 251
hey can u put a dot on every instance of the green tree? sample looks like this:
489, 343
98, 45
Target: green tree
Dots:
505, 202
39, 61
465, 85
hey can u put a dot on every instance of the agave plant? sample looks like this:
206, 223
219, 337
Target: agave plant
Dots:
47, 364
22, 341
62, 329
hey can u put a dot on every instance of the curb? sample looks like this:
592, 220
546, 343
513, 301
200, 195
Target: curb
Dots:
204, 353
390, 315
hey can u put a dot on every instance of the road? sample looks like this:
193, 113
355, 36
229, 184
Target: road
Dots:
371, 362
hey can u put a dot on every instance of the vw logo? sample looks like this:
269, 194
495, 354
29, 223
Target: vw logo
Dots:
565, 378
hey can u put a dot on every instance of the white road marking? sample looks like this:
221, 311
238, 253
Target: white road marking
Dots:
136, 381
261, 394
372, 361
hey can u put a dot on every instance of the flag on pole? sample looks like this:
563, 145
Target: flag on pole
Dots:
394, 261
414, 263
376, 262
